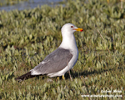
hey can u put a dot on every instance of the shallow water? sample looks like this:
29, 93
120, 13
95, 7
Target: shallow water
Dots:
29, 4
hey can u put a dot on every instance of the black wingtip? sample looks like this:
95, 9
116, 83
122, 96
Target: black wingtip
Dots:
24, 77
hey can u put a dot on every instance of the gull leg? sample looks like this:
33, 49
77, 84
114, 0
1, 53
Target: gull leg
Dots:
57, 78
70, 75
63, 77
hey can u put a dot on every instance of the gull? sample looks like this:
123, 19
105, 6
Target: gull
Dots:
59, 61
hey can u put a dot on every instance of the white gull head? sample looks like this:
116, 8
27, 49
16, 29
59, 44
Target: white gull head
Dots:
68, 41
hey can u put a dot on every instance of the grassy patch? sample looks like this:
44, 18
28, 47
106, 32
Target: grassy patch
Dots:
27, 36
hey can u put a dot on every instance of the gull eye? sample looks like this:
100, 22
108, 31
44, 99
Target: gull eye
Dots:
71, 26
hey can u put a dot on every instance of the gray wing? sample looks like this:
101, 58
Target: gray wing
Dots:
54, 62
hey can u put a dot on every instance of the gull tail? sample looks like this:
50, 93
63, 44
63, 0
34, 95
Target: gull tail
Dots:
24, 77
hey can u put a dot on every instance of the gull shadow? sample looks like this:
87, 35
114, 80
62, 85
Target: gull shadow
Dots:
86, 73
1, 25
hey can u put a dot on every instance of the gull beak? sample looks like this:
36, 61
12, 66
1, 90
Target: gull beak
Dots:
79, 29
